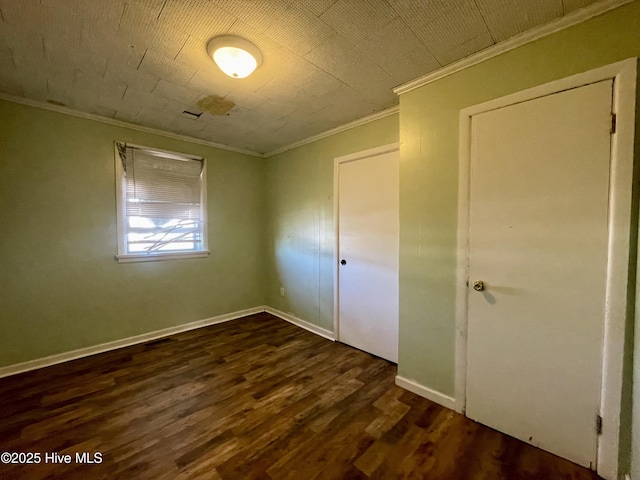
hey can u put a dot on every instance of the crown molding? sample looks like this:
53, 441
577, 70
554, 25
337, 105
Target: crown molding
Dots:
569, 20
327, 133
120, 123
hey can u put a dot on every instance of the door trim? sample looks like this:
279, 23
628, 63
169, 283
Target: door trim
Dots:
372, 152
621, 210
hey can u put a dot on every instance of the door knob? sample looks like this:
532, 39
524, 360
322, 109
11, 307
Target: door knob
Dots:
478, 286
343, 262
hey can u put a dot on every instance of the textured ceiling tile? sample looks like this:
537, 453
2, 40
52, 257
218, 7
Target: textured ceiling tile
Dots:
386, 43
333, 54
26, 47
143, 99
118, 52
90, 106
260, 14
215, 133
506, 19
456, 27
247, 99
248, 118
306, 104
275, 112
278, 89
153, 6
345, 64
382, 99
365, 76
331, 116
105, 16
127, 115
238, 134
355, 20
176, 107
286, 64
43, 19
175, 92
299, 30
258, 79
139, 27
94, 96
60, 89
209, 83
95, 87
24, 85
166, 68
317, 7
154, 116
412, 65
343, 106
58, 53
187, 126
417, 13
571, 5
267, 45
318, 83
194, 53
202, 19
122, 75
214, 123
6, 60
460, 51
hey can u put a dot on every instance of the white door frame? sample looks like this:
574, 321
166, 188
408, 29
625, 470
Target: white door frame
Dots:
624, 75
372, 152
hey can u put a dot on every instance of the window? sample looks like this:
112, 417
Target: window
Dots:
161, 204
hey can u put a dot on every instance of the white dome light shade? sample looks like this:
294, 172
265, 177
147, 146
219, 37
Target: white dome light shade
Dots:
235, 56
235, 62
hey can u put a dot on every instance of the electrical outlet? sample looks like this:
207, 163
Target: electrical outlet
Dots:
282, 291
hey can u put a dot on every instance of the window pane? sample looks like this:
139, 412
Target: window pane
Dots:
153, 235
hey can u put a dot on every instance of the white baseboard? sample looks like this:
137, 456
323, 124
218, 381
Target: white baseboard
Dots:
434, 396
125, 342
323, 332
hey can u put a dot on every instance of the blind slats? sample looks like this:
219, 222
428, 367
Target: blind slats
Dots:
160, 186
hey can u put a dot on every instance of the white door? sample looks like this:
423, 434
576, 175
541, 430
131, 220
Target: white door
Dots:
368, 254
538, 240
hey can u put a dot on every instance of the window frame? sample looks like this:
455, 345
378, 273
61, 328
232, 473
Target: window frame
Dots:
121, 227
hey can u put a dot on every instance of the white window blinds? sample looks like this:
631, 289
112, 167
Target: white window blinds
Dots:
162, 196
159, 186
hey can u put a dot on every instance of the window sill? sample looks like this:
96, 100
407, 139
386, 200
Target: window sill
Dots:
160, 256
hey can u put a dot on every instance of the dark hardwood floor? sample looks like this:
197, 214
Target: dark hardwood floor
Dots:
252, 398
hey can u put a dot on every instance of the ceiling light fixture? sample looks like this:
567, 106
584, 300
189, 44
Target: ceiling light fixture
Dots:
235, 56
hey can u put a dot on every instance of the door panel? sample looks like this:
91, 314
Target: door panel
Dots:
538, 239
368, 243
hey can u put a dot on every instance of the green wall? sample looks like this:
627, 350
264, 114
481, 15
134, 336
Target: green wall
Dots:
60, 286
300, 231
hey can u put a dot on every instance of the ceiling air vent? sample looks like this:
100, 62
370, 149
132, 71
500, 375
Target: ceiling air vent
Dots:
191, 115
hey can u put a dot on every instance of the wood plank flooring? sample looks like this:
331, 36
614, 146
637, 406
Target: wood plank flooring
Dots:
255, 398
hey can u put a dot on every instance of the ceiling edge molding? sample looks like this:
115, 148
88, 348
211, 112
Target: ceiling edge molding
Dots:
120, 123
327, 133
569, 20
